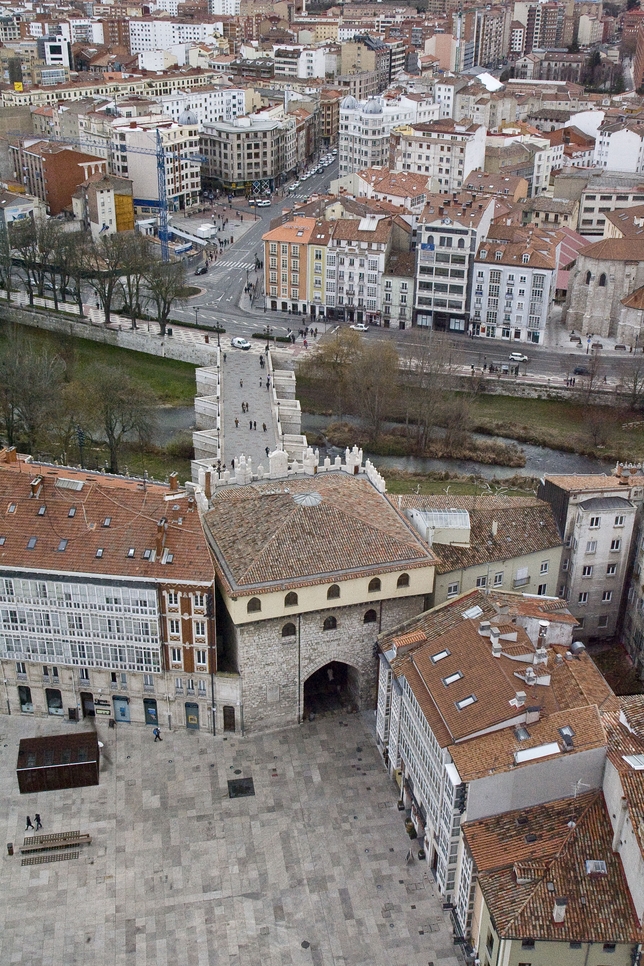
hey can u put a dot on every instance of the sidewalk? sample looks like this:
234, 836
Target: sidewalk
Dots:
243, 367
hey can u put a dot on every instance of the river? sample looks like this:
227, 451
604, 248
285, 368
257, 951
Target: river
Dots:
539, 459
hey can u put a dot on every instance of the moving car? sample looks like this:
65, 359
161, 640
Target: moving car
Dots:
359, 327
238, 343
202, 270
517, 357
264, 203
580, 371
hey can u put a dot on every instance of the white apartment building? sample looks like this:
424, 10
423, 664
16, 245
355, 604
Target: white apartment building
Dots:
163, 34
596, 516
445, 91
448, 234
224, 8
134, 147
513, 287
82, 30
207, 105
299, 63
620, 147
105, 601
445, 151
480, 710
355, 264
365, 126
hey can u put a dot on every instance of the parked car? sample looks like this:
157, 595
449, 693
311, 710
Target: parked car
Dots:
359, 327
202, 270
251, 202
264, 203
580, 371
238, 343
620, 348
517, 357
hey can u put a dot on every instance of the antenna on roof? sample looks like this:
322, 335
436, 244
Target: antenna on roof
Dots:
579, 784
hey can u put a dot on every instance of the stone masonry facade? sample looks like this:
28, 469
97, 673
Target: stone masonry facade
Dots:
274, 669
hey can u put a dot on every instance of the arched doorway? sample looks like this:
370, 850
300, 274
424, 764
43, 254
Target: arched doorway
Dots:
334, 687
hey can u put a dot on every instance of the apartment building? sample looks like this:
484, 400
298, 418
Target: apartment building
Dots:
444, 151
288, 264
485, 703
489, 543
253, 152
52, 172
598, 193
514, 284
104, 205
365, 127
448, 235
208, 105
365, 53
162, 34
620, 147
106, 598
596, 516
299, 62
180, 142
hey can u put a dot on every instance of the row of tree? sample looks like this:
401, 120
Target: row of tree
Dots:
122, 270
43, 406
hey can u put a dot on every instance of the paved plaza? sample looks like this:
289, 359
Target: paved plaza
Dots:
309, 870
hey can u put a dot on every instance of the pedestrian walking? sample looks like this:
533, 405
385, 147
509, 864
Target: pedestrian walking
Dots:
157, 735
29, 825
268, 383
254, 425
232, 463
241, 383
264, 426
267, 451
260, 382
38, 822
250, 421
236, 423
224, 356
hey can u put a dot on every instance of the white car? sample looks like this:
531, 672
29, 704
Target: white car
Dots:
359, 327
238, 343
264, 203
517, 357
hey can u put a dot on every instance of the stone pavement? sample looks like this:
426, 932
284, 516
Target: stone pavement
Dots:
243, 365
310, 870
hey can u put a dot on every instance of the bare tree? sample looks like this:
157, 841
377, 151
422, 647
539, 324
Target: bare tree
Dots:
332, 364
428, 366
6, 263
105, 263
166, 283
632, 382
375, 375
458, 422
30, 384
119, 408
136, 264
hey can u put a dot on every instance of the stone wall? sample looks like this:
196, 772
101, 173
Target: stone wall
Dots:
274, 669
597, 309
139, 340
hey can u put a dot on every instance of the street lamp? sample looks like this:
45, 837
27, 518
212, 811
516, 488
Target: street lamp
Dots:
197, 307
269, 332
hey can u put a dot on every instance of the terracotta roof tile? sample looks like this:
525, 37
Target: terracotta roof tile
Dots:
260, 534
520, 879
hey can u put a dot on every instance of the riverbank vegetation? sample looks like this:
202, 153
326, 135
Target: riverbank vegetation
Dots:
435, 415
67, 400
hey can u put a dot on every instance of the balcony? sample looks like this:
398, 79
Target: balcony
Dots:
520, 582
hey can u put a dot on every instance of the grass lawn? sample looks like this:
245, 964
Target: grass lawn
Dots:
136, 461
401, 482
173, 382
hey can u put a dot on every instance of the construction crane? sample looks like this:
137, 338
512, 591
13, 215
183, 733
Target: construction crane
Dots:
159, 153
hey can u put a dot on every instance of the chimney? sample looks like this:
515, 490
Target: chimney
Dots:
519, 697
174, 482
12, 455
543, 633
495, 527
484, 628
441, 210
162, 527
36, 486
559, 911
532, 714
207, 485
496, 643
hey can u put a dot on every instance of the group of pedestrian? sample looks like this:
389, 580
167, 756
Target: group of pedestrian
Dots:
253, 424
571, 381
29, 823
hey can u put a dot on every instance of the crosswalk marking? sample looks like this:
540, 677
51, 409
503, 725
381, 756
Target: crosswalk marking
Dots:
227, 265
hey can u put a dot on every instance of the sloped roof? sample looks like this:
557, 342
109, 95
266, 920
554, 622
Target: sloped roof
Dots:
616, 250
521, 879
261, 536
524, 525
